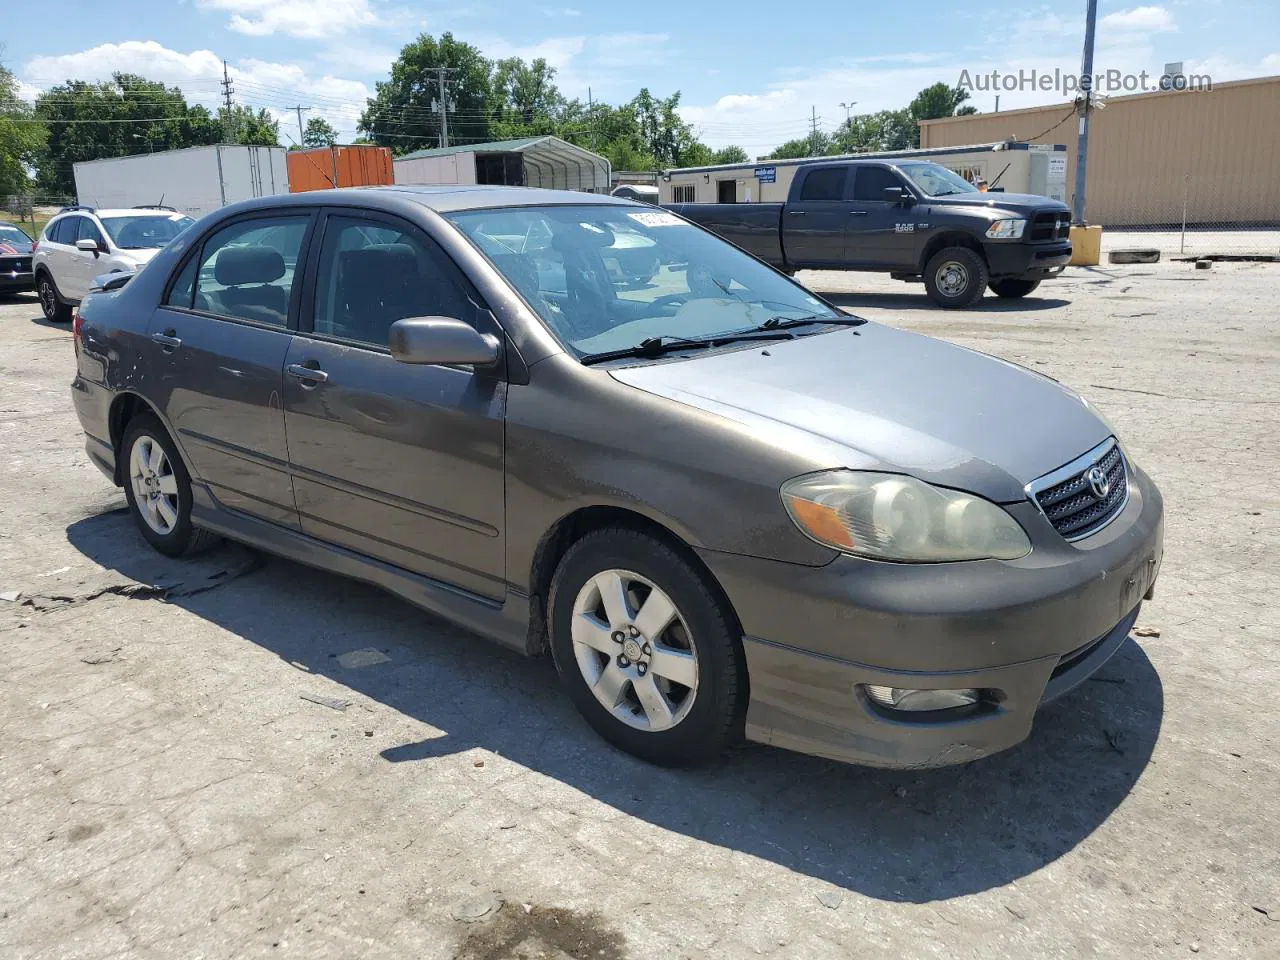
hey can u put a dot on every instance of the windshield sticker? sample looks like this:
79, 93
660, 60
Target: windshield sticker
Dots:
656, 219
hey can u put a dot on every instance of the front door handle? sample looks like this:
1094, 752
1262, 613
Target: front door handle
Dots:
796, 213
858, 213
303, 372
168, 340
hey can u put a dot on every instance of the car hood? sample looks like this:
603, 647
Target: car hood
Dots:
1013, 202
876, 398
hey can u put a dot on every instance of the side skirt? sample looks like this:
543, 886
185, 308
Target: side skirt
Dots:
506, 622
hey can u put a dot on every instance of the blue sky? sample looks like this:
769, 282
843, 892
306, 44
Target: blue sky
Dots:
749, 71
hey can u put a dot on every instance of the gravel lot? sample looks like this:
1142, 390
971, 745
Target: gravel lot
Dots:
167, 789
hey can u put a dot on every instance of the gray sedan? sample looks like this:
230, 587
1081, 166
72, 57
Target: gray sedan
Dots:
721, 505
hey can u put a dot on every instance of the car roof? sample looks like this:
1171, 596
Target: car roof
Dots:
446, 198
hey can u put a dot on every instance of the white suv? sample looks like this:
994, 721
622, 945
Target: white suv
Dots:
82, 243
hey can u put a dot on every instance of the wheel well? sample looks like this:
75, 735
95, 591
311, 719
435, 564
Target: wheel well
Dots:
123, 409
567, 531
950, 240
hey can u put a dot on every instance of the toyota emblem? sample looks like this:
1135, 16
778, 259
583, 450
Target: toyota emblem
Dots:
1098, 482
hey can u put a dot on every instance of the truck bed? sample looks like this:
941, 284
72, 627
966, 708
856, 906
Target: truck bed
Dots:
755, 227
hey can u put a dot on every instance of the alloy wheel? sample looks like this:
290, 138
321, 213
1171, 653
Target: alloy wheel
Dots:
155, 488
48, 298
634, 650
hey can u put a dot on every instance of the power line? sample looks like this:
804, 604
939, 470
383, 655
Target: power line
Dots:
300, 110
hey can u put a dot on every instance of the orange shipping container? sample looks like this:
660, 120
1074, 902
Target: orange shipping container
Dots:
358, 165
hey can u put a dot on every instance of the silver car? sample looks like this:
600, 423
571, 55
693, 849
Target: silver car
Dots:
722, 506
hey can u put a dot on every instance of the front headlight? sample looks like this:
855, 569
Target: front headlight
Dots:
1006, 229
884, 516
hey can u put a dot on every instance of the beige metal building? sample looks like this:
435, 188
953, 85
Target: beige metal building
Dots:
1217, 151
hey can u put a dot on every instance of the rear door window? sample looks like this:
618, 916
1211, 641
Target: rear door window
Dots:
248, 270
825, 184
65, 230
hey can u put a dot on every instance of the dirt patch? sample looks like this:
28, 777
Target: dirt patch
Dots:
542, 933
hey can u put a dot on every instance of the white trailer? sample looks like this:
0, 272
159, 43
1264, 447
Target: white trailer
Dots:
196, 180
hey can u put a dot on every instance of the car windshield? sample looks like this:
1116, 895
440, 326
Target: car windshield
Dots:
13, 240
606, 278
935, 180
145, 232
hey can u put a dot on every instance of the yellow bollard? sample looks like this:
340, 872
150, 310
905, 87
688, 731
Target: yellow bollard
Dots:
1086, 246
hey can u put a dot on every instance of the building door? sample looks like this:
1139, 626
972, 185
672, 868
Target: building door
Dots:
726, 191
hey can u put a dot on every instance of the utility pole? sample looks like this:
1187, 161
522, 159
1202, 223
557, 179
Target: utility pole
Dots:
1086, 107
227, 124
813, 132
591, 117
299, 110
442, 76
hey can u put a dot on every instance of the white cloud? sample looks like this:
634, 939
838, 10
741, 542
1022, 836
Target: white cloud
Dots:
559, 12
300, 18
1149, 19
257, 83
1271, 62
607, 64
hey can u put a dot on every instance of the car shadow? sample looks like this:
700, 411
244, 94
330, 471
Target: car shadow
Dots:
911, 301
907, 836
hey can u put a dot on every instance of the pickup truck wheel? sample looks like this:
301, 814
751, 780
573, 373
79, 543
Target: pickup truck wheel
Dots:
1012, 288
956, 277
646, 648
51, 305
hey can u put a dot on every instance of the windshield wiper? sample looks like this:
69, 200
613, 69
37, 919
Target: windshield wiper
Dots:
786, 323
657, 346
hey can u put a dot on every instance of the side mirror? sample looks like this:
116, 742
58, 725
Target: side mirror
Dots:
88, 246
442, 340
899, 195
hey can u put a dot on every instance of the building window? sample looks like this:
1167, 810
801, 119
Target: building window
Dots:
684, 193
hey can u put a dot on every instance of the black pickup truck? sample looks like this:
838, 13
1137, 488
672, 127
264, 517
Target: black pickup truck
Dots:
912, 219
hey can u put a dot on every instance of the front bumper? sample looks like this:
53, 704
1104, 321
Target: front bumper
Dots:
1027, 259
15, 282
1024, 632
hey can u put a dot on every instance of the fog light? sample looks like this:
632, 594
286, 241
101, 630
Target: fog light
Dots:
899, 698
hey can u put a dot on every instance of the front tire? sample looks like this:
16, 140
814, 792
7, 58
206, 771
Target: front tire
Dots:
51, 305
1012, 288
158, 489
646, 648
956, 277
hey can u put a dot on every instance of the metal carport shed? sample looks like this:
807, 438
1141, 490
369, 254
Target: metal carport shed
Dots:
547, 162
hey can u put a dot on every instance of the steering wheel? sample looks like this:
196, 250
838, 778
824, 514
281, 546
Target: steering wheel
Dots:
670, 299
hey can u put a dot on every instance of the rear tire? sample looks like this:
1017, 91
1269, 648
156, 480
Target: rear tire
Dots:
673, 689
51, 304
956, 277
158, 489
1011, 288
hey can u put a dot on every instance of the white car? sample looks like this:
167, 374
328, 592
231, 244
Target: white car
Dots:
82, 243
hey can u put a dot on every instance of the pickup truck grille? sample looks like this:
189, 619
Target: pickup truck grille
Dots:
1073, 505
1050, 226
15, 264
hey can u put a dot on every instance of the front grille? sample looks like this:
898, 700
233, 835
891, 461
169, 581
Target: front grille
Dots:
1072, 505
1050, 226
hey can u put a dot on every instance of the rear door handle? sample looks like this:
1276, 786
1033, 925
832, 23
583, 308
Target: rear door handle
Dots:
796, 213
858, 213
303, 372
167, 340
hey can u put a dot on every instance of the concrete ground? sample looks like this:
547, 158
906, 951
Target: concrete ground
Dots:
176, 781
1195, 242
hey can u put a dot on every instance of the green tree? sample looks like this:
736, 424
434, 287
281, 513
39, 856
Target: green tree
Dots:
815, 145
730, 154
249, 127
125, 115
524, 99
666, 137
936, 101
22, 137
404, 112
319, 133
872, 132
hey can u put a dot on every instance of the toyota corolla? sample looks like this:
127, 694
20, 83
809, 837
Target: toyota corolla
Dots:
723, 506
